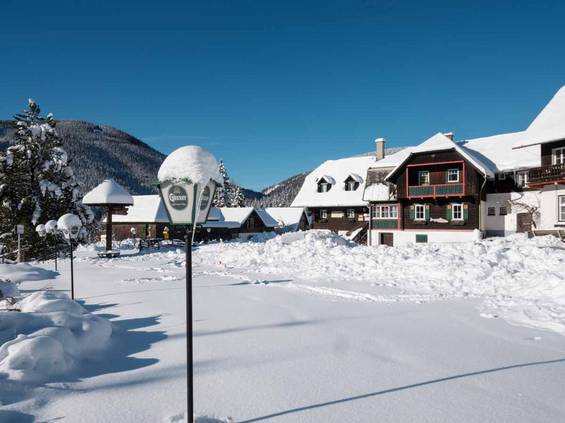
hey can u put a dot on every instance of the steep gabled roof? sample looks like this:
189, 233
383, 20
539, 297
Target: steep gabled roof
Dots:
285, 217
549, 125
439, 142
499, 149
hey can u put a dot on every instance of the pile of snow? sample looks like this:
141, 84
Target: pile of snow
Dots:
47, 338
520, 279
192, 163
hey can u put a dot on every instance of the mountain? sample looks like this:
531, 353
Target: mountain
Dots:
98, 152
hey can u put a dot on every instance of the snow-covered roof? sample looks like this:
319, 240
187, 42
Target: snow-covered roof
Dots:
355, 177
192, 163
499, 150
145, 209
440, 142
338, 170
286, 217
329, 179
108, 192
548, 126
377, 192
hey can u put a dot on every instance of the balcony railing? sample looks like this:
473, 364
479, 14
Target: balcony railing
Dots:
440, 190
546, 174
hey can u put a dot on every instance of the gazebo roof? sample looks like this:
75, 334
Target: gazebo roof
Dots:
108, 193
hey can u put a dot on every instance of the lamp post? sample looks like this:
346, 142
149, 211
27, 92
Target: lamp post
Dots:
69, 225
187, 182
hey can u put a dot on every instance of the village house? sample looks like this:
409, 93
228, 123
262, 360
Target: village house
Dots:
447, 191
333, 194
148, 219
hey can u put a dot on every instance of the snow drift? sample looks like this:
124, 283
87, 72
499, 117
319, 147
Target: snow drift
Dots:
520, 279
49, 335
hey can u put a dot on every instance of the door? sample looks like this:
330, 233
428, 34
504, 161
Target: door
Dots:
523, 222
387, 238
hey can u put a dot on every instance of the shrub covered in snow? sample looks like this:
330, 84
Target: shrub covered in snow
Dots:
8, 289
49, 335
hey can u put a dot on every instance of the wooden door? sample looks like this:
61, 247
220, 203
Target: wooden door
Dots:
387, 238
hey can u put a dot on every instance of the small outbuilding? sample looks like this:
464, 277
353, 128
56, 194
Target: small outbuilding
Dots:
115, 198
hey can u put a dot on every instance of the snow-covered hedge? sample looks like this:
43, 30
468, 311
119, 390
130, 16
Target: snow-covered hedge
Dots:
47, 338
8, 289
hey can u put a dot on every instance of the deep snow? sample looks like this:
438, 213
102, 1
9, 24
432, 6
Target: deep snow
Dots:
311, 328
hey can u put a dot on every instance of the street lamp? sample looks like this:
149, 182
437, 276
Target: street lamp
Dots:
187, 182
70, 225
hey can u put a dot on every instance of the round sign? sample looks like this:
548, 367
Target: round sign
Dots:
205, 199
178, 198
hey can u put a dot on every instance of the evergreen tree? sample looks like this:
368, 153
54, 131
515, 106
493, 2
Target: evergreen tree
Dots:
36, 181
222, 196
238, 197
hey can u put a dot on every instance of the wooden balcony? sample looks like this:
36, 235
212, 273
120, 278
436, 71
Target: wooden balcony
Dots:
438, 190
539, 176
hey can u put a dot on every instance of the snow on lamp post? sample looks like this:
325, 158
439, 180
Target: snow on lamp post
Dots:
70, 225
187, 182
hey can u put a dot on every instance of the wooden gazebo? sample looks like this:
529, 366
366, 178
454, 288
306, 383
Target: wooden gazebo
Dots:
115, 198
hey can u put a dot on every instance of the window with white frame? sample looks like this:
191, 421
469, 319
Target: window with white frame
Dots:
419, 212
424, 177
491, 211
452, 175
351, 185
385, 212
558, 155
323, 214
350, 213
323, 187
522, 178
562, 208
457, 211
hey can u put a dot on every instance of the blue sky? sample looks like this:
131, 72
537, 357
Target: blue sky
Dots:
274, 88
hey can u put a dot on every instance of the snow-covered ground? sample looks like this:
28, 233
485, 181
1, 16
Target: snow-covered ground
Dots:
310, 328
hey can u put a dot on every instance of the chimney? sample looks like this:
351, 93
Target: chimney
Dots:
449, 135
380, 148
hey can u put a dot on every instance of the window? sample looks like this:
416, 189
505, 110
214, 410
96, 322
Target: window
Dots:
503, 211
457, 212
424, 177
522, 178
324, 187
502, 176
558, 155
385, 212
251, 222
351, 185
453, 175
491, 211
350, 214
419, 212
421, 238
562, 208
323, 214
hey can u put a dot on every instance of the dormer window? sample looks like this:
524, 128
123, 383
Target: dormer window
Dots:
325, 184
351, 185
352, 182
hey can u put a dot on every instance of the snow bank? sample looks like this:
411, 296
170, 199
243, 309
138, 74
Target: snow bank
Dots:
190, 162
520, 279
48, 337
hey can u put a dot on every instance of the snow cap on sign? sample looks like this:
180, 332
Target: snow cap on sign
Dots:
192, 163
108, 192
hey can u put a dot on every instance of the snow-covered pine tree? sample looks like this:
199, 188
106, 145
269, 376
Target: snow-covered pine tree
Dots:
222, 197
36, 181
238, 197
